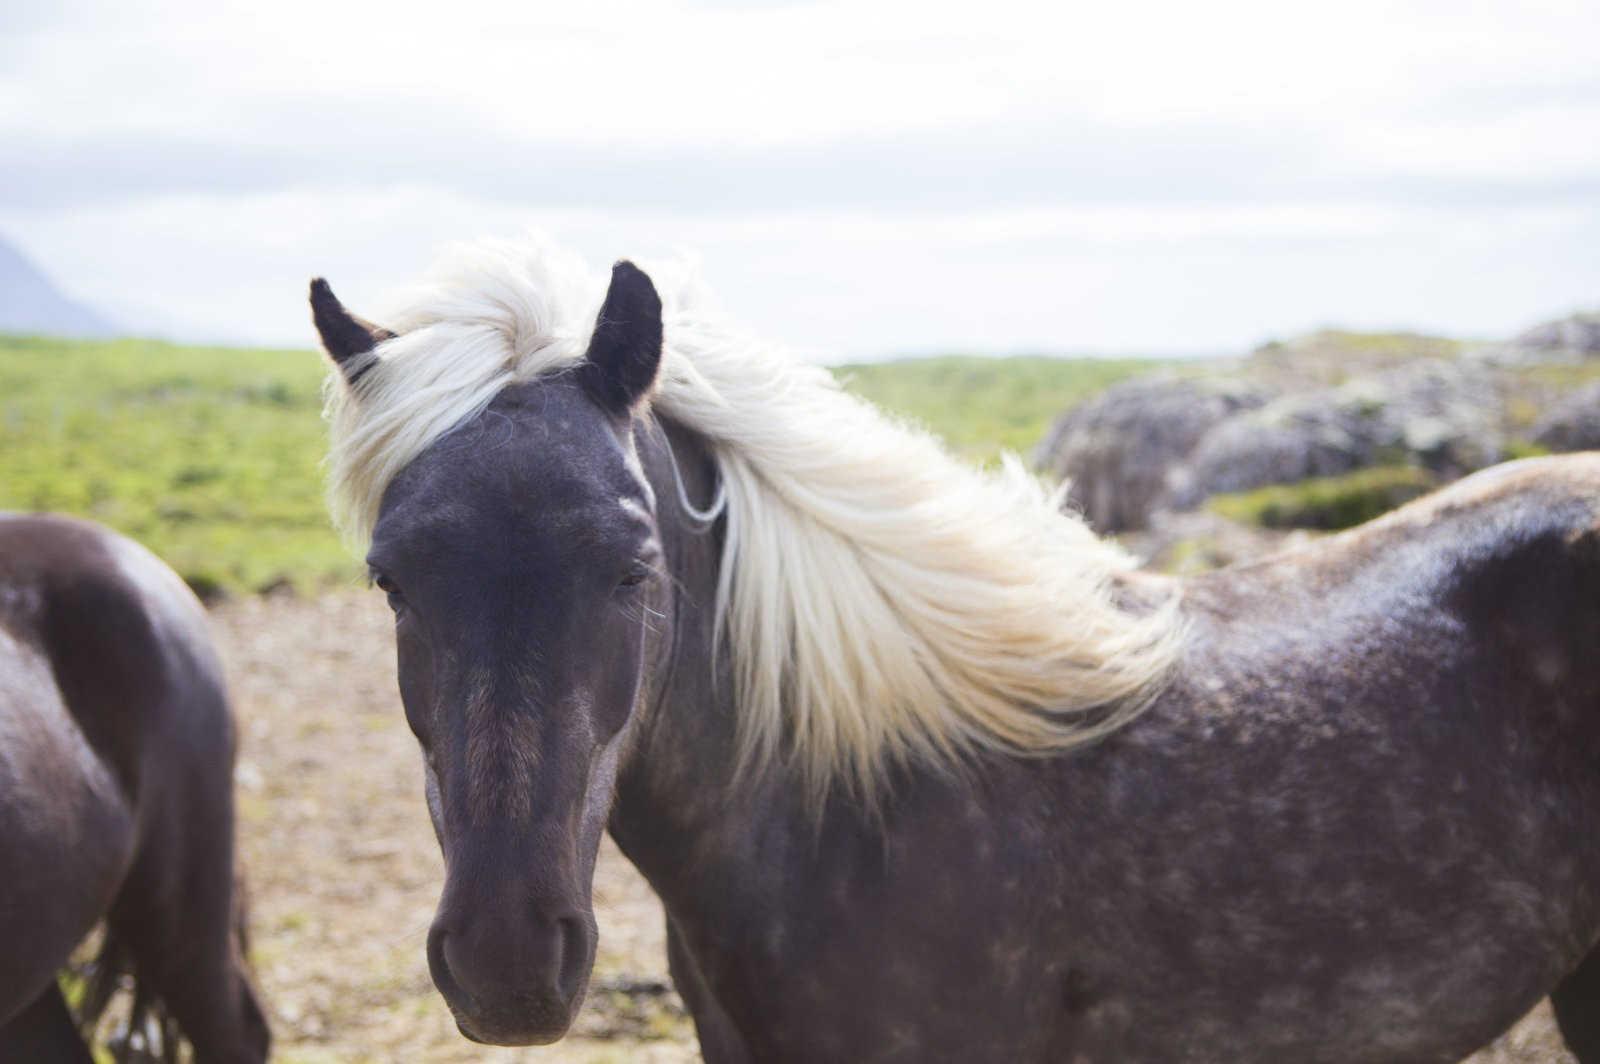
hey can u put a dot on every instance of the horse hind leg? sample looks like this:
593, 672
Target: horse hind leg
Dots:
1577, 1006
44, 1033
186, 951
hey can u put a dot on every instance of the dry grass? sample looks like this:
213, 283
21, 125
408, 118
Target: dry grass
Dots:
344, 872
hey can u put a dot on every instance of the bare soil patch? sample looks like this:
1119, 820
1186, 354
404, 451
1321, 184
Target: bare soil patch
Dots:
344, 872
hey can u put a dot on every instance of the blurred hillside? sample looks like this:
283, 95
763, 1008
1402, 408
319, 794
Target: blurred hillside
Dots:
31, 303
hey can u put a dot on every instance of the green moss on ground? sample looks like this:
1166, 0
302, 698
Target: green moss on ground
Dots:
1326, 503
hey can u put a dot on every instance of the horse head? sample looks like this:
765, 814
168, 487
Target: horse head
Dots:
520, 555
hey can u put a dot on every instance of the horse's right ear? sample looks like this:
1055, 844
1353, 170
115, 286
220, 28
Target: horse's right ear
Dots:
349, 340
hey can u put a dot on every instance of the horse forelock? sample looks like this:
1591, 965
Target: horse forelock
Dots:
881, 602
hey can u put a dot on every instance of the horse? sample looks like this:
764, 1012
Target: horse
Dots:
116, 803
920, 768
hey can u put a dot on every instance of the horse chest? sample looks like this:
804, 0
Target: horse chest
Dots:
927, 945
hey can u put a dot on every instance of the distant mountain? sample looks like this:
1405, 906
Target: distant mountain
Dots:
30, 303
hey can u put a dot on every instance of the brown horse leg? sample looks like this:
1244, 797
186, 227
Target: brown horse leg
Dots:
181, 939
44, 1032
1577, 1005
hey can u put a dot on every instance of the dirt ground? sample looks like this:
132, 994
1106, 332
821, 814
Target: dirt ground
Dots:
344, 871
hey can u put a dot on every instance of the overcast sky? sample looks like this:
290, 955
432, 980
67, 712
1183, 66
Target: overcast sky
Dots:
858, 179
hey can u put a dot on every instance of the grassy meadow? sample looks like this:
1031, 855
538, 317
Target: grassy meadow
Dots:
983, 406
212, 456
209, 456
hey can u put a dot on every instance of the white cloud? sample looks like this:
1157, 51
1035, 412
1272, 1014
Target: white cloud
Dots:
860, 176
680, 74
844, 283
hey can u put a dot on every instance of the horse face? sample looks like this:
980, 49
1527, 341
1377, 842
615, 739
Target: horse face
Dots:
521, 558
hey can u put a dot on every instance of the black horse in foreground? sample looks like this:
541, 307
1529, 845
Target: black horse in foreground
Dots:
116, 801
1342, 805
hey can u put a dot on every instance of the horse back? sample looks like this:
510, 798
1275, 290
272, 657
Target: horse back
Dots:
1381, 758
1458, 632
1495, 579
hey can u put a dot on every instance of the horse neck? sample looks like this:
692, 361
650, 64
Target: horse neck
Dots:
677, 782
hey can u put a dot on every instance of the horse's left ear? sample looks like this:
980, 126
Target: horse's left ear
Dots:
349, 340
625, 353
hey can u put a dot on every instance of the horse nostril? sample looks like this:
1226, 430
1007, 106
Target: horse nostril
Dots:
573, 951
440, 969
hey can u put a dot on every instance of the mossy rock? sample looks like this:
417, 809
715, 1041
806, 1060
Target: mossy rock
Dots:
1326, 503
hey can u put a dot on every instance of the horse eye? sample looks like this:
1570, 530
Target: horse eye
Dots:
636, 575
387, 586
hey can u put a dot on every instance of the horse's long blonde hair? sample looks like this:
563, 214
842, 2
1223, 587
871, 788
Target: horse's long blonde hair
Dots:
882, 603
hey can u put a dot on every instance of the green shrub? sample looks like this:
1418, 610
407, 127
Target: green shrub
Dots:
1525, 449
1326, 502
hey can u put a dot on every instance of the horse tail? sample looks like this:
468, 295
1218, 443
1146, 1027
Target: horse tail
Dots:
149, 1035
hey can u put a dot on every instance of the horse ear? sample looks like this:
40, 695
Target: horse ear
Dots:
349, 340
625, 353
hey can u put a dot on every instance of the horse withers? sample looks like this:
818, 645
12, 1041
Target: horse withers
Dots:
919, 768
116, 801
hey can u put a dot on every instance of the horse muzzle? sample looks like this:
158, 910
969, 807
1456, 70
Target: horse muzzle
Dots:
513, 982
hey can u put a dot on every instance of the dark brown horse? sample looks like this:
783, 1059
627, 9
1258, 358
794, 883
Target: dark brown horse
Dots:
116, 800
1342, 805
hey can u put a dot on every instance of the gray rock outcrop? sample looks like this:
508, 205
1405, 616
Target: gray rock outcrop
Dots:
1117, 451
1573, 423
1441, 415
1575, 338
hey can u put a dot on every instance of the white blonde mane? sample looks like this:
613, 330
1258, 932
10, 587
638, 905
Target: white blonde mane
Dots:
881, 602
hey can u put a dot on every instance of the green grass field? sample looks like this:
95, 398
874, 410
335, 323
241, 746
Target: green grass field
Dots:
983, 406
209, 456
212, 456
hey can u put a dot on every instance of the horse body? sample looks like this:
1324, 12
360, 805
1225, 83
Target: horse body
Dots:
69, 833
1358, 826
1354, 821
116, 754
